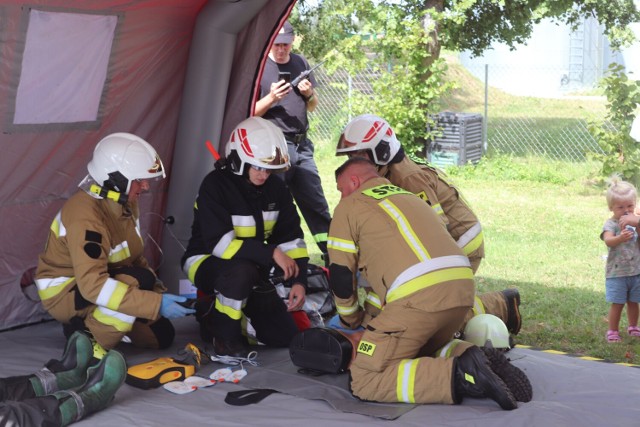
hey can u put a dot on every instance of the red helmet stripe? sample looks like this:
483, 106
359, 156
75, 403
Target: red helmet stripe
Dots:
375, 128
244, 142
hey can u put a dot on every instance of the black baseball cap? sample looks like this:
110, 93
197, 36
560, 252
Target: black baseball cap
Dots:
285, 35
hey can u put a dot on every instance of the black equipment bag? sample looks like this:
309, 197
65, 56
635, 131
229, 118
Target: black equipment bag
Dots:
319, 296
319, 304
320, 351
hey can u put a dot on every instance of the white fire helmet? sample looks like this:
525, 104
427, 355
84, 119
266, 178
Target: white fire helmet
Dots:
258, 142
372, 133
120, 158
487, 330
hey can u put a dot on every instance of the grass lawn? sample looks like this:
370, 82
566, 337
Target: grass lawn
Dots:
542, 221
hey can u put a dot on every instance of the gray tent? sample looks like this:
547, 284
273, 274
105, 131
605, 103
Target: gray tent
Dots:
175, 72
179, 73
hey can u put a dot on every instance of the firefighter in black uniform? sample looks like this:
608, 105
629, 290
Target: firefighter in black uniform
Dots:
287, 107
245, 228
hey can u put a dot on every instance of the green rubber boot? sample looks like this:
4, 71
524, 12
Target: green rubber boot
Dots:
97, 392
70, 371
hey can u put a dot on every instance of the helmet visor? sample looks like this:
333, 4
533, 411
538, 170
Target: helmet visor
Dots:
157, 168
344, 145
278, 159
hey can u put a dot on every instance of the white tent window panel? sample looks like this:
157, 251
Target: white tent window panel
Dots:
64, 67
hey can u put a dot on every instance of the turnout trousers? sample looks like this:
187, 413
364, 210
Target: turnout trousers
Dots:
239, 287
395, 360
303, 180
76, 313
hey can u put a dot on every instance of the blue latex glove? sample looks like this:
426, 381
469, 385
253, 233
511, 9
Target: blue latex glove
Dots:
170, 308
335, 323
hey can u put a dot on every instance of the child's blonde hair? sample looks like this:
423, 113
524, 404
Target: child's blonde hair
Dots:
620, 190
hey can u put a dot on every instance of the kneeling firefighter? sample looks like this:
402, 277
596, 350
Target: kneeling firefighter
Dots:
331, 350
428, 288
372, 137
92, 275
245, 228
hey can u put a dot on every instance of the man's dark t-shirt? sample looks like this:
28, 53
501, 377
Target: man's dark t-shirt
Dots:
290, 113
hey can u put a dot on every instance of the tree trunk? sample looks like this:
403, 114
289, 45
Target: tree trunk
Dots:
432, 45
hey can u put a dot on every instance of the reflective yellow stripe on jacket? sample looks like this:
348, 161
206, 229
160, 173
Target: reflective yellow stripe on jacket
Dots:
342, 245
405, 229
120, 252
269, 219
320, 237
428, 273
227, 246
471, 239
57, 227
192, 264
295, 249
112, 294
49, 288
244, 225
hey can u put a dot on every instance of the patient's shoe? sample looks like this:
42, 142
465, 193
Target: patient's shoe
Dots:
103, 380
70, 371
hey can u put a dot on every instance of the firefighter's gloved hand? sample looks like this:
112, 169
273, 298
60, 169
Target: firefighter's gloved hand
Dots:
335, 323
170, 308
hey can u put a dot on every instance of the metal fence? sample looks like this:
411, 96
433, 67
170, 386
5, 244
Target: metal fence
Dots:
536, 118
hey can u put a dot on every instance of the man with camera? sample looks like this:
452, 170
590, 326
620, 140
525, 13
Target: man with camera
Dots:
286, 105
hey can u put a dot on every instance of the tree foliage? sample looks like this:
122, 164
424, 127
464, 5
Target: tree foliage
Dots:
402, 39
621, 152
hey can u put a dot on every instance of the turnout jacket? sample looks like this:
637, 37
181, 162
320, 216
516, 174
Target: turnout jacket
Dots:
431, 186
233, 219
88, 237
401, 247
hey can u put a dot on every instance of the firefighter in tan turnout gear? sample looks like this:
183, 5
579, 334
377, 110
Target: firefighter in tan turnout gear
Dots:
405, 253
372, 137
92, 275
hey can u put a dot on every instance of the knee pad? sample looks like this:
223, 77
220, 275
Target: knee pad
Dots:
164, 332
321, 351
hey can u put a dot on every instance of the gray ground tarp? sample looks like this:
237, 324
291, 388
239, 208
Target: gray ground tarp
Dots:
567, 392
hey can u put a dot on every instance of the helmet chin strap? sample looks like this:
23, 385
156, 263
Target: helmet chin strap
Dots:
109, 194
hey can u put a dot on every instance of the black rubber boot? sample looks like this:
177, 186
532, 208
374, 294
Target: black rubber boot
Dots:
68, 372
231, 347
513, 377
204, 307
512, 299
227, 335
473, 377
97, 392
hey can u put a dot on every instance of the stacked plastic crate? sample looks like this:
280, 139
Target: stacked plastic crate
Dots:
458, 139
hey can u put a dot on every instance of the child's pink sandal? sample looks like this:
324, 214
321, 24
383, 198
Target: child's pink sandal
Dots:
634, 331
614, 336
